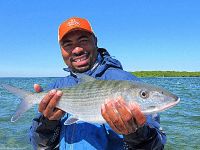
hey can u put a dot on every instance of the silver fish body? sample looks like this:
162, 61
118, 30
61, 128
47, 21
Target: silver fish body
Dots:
84, 100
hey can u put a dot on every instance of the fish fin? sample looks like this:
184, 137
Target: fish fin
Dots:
27, 100
16, 91
71, 120
84, 78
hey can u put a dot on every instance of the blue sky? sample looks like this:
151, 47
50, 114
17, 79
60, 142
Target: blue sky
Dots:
142, 34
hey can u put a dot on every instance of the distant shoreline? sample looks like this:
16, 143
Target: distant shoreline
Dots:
165, 74
136, 73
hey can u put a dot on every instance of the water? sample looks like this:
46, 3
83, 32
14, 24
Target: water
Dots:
181, 123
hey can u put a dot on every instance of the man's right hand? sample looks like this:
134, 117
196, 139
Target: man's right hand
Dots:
48, 104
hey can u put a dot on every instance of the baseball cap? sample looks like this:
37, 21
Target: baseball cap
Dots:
74, 23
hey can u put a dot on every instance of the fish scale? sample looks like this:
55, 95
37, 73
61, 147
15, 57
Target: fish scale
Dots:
85, 92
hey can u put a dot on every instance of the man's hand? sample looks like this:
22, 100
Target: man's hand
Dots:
122, 118
48, 104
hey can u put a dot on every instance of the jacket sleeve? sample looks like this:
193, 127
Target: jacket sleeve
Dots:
150, 136
44, 134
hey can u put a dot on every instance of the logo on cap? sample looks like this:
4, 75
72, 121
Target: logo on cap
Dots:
73, 22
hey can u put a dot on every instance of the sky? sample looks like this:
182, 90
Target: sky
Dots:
142, 34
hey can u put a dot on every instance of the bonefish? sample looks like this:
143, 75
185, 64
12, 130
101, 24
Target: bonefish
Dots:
83, 101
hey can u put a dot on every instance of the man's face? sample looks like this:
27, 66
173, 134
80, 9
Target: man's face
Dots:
79, 50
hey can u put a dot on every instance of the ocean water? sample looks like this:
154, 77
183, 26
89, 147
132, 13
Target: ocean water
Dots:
181, 123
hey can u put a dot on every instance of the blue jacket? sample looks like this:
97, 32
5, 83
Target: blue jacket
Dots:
46, 134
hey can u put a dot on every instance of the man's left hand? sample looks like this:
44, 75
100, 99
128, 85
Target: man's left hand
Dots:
123, 118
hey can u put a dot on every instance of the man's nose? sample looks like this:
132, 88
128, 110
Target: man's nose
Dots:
77, 49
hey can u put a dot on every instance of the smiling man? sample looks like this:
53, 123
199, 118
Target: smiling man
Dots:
79, 50
126, 128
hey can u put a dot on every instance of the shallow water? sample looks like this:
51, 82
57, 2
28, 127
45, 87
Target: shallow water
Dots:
181, 123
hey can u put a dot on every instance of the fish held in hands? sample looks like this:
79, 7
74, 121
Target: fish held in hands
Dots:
83, 101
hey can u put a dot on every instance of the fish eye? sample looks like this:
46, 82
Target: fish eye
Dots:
144, 94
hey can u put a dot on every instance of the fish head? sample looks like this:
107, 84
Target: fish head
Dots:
152, 99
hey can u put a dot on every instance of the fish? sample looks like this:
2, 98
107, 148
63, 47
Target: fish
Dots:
83, 101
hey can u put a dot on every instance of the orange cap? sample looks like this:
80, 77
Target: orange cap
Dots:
72, 24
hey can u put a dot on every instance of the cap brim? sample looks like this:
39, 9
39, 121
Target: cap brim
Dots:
75, 29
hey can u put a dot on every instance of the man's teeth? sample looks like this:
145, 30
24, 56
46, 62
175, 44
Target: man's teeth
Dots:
78, 60
83, 57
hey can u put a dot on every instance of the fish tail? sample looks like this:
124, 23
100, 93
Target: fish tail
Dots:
28, 99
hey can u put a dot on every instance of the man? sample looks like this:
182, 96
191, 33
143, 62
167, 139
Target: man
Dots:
126, 128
